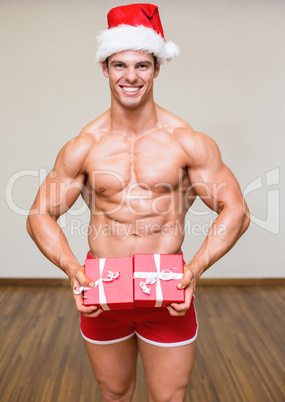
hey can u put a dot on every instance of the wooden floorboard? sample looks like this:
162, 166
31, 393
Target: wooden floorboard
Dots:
202, 282
240, 347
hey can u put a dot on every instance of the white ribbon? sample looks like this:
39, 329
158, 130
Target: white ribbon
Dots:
156, 277
110, 277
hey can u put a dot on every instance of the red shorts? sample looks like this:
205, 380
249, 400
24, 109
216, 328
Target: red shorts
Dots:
152, 325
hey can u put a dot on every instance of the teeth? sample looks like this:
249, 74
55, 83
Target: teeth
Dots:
130, 89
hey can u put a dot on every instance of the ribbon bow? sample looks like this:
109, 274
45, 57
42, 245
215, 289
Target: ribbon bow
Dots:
165, 275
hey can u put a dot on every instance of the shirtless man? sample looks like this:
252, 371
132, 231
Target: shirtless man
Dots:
139, 168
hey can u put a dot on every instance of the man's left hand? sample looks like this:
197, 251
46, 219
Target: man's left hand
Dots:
188, 282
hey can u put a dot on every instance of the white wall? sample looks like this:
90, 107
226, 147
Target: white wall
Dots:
228, 82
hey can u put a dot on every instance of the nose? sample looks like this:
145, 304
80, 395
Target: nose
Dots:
131, 75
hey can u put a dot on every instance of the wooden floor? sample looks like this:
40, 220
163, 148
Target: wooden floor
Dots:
240, 348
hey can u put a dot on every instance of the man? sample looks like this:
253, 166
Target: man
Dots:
139, 168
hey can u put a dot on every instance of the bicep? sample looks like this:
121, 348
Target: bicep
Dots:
212, 180
62, 186
217, 187
58, 193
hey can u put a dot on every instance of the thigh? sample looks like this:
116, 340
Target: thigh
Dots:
167, 370
114, 367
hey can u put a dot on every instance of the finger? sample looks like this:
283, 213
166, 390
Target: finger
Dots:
83, 279
188, 294
93, 314
180, 306
187, 277
87, 311
174, 312
81, 308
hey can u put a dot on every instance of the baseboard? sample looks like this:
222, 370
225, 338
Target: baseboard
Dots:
241, 282
202, 282
34, 282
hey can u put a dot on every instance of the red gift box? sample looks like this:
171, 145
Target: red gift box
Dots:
113, 279
155, 279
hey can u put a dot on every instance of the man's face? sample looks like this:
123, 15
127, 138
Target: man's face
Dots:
131, 75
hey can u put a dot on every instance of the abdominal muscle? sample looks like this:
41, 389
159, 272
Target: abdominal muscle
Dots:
113, 238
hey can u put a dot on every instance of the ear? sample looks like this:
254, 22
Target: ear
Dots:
157, 70
105, 69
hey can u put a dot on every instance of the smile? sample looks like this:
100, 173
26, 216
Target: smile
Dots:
132, 90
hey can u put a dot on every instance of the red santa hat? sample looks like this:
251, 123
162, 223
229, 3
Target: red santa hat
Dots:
135, 27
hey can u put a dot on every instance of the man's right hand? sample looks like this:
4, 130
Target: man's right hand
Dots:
78, 279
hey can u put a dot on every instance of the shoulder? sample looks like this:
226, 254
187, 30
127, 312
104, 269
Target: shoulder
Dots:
70, 159
73, 155
199, 148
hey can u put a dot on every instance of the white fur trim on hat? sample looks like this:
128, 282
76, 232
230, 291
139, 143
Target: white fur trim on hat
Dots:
128, 37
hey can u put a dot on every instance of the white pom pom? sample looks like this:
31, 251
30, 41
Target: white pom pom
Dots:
171, 51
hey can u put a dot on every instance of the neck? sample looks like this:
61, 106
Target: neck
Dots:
133, 121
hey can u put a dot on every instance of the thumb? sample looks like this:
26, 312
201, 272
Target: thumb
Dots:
188, 276
83, 279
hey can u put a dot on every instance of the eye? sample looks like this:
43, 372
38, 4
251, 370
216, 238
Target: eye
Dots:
142, 67
119, 66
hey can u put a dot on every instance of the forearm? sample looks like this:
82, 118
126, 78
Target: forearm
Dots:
51, 241
223, 234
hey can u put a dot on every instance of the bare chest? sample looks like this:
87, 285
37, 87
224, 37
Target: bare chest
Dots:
148, 164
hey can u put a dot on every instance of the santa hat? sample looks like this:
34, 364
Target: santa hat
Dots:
135, 27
